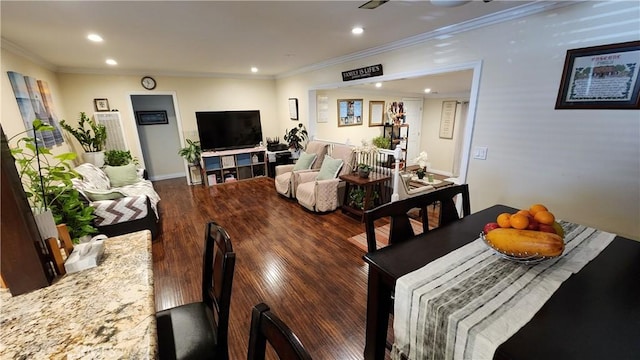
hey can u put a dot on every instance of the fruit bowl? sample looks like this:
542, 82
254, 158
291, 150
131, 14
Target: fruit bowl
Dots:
521, 258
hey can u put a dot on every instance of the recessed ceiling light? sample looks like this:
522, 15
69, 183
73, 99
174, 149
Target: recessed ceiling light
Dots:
95, 37
427, 90
357, 30
254, 69
111, 62
378, 85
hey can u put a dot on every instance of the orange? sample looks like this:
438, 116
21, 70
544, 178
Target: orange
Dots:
525, 213
519, 221
504, 220
544, 217
535, 208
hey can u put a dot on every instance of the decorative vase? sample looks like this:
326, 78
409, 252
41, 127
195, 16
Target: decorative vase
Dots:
420, 175
363, 173
96, 158
46, 224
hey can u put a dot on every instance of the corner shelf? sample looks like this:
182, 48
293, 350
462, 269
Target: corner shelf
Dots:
395, 133
232, 165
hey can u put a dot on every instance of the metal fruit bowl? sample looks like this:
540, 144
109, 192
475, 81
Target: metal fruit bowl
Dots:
520, 258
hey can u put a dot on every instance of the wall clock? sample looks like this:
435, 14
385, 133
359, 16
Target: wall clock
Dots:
148, 83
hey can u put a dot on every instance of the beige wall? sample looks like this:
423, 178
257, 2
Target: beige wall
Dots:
582, 163
193, 94
11, 119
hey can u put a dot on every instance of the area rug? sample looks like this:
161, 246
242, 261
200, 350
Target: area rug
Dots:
382, 232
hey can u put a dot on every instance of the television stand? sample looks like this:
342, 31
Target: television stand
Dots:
233, 165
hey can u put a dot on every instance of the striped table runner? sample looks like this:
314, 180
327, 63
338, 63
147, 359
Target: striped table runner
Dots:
468, 302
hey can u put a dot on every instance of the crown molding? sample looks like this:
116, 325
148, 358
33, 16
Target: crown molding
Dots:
487, 20
142, 72
20, 51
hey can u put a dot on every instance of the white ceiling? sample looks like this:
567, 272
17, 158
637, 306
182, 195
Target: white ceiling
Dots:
218, 38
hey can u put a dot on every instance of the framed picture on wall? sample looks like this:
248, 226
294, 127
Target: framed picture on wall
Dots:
447, 119
349, 112
152, 117
293, 108
601, 77
101, 104
376, 113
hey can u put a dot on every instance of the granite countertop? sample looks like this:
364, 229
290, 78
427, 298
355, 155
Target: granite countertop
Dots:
107, 312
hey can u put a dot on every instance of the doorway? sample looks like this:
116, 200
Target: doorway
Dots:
159, 142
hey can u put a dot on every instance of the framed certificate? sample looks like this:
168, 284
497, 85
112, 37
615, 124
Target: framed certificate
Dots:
601, 77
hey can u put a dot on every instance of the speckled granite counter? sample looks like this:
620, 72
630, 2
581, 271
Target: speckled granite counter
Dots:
107, 312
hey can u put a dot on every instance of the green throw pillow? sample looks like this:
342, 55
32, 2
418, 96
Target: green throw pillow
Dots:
305, 161
96, 195
330, 168
122, 175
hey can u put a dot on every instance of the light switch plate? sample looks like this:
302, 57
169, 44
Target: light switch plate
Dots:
480, 153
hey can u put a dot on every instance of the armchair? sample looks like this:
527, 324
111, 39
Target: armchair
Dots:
285, 180
325, 194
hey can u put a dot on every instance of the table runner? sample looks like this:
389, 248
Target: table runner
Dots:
468, 302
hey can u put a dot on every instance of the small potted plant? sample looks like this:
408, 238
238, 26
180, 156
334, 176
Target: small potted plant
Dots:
422, 163
295, 137
364, 170
118, 157
191, 152
92, 143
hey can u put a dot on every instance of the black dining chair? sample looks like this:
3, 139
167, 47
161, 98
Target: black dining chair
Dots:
400, 226
267, 327
199, 330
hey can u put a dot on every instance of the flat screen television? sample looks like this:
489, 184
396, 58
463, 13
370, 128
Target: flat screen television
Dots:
224, 130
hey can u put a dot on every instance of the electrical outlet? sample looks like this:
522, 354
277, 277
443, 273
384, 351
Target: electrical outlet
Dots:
480, 153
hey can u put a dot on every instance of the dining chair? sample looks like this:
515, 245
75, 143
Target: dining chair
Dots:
267, 327
400, 228
199, 330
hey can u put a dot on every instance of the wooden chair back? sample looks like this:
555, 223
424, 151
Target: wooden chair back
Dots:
217, 279
400, 225
266, 326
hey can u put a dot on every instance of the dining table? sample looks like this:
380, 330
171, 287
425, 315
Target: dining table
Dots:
594, 314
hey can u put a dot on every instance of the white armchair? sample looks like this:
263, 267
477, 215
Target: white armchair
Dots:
285, 180
327, 194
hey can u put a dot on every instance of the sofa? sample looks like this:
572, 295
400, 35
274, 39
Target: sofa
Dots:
123, 200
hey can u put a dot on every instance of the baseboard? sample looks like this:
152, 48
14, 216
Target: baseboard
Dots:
166, 176
440, 172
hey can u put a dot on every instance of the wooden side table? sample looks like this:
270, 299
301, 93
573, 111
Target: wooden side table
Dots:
368, 184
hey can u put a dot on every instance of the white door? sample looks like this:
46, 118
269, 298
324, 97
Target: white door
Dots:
413, 116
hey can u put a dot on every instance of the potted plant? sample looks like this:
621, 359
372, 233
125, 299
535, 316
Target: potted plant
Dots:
92, 143
356, 197
364, 170
46, 181
381, 142
422, 163
295, 137
191, 152
118, 158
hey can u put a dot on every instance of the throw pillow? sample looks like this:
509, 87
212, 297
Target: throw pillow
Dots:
122, 175
330, 168
96, 195
305, 161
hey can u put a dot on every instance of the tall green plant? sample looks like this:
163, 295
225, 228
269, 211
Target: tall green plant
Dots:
41, 172
46, 180
89, 142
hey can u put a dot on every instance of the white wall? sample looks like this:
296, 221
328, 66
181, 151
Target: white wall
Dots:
583, 164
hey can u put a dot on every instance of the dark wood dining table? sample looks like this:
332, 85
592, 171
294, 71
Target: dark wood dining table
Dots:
595, 314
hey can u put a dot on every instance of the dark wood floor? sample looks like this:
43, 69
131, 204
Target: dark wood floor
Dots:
298, 262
